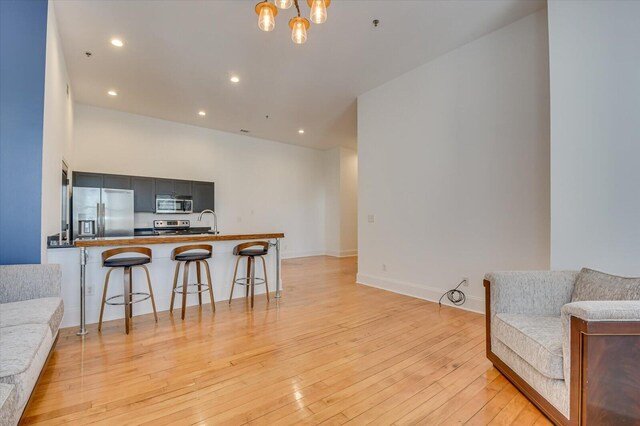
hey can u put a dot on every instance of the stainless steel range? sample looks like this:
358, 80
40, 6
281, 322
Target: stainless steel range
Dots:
162, 227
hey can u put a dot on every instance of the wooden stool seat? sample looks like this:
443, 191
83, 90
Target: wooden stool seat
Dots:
198, 253
250, 252
128, 299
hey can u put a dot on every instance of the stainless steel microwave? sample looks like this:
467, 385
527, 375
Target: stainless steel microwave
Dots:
174, 204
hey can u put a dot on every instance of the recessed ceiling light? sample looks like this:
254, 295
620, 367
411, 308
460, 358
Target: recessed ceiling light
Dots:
202, 113
112, 93
234, 79
301, 131
117, 42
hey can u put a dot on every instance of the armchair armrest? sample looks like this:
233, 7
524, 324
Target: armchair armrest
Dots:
530, 292
601, 348
603, 310
25, 282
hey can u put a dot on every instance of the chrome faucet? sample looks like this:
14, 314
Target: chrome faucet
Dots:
215, 219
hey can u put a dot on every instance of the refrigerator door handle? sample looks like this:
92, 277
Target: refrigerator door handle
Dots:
104, 220
98, 225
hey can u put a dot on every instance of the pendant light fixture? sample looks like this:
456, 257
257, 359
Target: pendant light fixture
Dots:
299, 27
318, 13
267, 16
284, 4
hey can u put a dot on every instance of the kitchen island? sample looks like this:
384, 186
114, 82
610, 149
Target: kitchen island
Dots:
83, 274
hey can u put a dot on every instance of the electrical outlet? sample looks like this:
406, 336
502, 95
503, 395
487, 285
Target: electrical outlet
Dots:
371, 218
90, 291
466, 281
384, 267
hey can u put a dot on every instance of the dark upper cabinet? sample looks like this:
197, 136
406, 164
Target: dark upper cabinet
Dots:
203, 196
146, 188
144, 194
116, 181
165, 187
87, 180
182, 187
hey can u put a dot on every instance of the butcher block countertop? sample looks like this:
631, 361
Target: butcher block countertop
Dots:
169, 239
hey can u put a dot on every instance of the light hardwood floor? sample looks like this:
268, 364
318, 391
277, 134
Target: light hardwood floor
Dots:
330, 351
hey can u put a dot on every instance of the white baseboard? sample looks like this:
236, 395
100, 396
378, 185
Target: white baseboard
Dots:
343, 253
308, 253
473, 303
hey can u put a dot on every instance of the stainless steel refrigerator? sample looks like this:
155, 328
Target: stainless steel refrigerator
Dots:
111, 211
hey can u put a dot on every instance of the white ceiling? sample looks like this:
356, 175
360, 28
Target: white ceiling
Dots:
179, 55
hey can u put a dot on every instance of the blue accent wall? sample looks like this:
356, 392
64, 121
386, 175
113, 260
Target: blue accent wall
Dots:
23, 42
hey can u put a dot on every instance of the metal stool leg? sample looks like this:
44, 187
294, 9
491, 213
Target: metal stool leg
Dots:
185, 283
104, 297
246, 287
266, 284
233, 283
127, 297
131, 293
153, 301
175, 285
253, 278
199, 282
213, 303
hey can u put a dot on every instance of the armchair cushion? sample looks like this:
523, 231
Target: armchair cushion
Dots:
594, 285
536, 339
24, 282
48, 310
540, 293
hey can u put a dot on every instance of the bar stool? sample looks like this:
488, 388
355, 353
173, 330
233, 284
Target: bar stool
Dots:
200, 254
246, 250
128, 263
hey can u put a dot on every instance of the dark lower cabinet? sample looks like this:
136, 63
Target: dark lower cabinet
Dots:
203, 196
144, 194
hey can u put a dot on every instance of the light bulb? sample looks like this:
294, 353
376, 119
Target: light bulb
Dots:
299, 29
284, 4
266, 21
266, 15
318, 12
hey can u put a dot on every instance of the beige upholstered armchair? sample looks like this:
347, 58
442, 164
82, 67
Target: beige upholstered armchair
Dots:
571, 352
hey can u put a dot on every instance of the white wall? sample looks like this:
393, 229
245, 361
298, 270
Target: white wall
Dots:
454, 166
261, 186
595, 135
348, 202
332, 206
57, 130
341, 179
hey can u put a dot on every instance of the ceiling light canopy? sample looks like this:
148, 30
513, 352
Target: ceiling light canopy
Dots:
267, 16
117, 42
